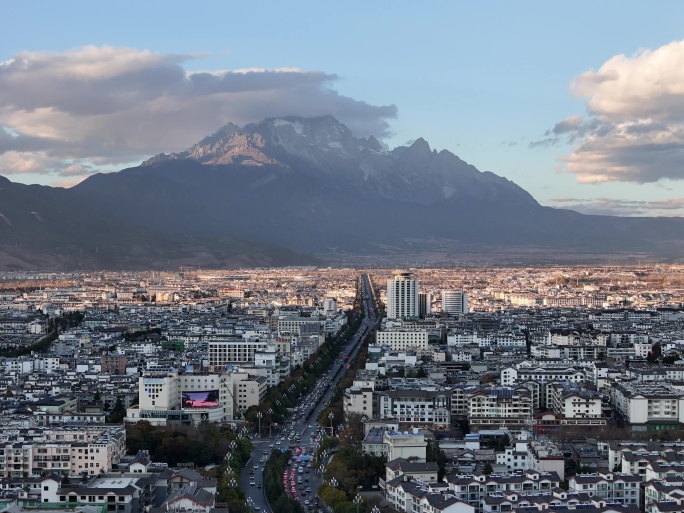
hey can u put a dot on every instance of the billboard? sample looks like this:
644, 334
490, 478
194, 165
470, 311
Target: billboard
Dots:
200, 399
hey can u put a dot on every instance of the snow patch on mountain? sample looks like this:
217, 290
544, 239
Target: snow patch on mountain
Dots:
296, 125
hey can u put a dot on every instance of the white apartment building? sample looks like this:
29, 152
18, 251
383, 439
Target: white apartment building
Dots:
402, 296
403, 339
413, 496
297, 325
412, 407
474, 488
494, 407
643, 403
511, 375
572, 401
635, 457
615, 488
168, 396
249, 390
269, 361
358, 400
409, 445
72, 451
557, 500
228, 352
454, 302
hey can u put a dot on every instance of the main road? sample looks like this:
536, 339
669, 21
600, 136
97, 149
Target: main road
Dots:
305, 427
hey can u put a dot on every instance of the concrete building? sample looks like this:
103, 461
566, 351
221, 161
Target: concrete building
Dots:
408, 445
409, 495
71, 451
646, 405
228, 352
416, 408
495, 407
474, 488
613, 487
403, 339
402, 296
113, 364
192, 397
454, 302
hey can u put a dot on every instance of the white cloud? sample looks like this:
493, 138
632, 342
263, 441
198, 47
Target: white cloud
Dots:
634, 128
108, 105
621, 207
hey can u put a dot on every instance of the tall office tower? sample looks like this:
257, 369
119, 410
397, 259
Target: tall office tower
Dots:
402, 296
424, 304
454, 302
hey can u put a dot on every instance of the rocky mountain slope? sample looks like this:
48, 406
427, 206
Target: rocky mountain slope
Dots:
310, 185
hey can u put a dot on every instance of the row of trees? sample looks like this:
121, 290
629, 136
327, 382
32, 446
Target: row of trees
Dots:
228, 490
204, 444
302, 380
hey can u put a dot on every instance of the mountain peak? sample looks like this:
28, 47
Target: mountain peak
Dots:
420, 146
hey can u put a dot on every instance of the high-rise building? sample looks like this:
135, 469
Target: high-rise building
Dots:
454, 302
425, 304
402, 296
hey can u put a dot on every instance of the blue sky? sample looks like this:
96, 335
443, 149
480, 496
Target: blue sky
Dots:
487, 82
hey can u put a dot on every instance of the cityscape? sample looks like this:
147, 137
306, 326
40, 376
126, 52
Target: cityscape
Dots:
352, 257
318, 388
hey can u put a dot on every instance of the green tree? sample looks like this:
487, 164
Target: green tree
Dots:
487, 468
434, 453
118, 412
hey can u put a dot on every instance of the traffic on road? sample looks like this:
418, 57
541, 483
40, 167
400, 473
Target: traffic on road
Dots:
300, 432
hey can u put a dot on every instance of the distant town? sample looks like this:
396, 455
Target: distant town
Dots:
474, 390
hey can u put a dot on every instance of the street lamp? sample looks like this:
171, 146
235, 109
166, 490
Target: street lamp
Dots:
259, 415
333, 482
233, 483
358, 500
375, 509
270, 421
331, 416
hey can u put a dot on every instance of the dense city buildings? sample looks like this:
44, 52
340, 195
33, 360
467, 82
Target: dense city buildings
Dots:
525, 378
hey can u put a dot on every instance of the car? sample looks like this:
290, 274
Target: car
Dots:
259, 485
277, 443
306, 502
256, 467
252, 483
256, 507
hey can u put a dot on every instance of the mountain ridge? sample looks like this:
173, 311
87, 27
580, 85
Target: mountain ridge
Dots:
282, 189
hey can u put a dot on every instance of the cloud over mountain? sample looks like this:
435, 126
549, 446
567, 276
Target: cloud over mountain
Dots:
99, 106
634, 127
621, 207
